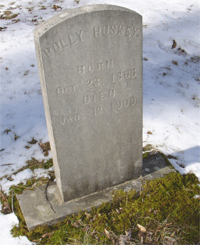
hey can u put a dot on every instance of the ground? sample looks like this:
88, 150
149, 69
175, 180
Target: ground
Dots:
171, 57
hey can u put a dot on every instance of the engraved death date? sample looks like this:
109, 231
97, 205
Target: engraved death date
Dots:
93, 93
98, 88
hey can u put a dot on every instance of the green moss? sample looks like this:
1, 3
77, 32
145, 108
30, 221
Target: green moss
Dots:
33, 141
148, 155
35, 164
165, 207
9, 15
145, 155
174, 62
171, 157
31, 184
166, 160
7, 131
7, 12
147, 147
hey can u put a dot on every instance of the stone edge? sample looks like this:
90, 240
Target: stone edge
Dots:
70, 13
107, 196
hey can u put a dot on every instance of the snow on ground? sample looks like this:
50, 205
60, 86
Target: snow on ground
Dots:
7, 222
171, 85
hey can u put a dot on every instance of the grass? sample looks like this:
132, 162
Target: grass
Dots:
164, 212
8, 15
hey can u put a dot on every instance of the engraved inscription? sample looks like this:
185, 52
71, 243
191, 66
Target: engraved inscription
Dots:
123, 104
70, 119
98, 111
100, 66
63, 43
98, 97
67, 90
114, 30
119, 76
93, 83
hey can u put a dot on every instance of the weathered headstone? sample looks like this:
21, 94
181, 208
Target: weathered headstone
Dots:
90, 65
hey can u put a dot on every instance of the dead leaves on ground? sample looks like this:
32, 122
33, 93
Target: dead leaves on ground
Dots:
125, 239
136, 235
3, 28
6, 209
45, 148
8, 15
107, 233
55, 7
163, 232
144, 236
33, 141
141, 228
178, 50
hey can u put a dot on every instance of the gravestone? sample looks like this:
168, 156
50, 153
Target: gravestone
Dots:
90, 66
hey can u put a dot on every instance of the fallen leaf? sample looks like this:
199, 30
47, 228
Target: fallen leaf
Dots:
55, 7
117, 210
122, 240
2, 28
169, 241
47, 234
142, 229
174, 44
107, 233
87, 215
76, 225
128, 233
10, 178
173, 233
5, 207
45, 147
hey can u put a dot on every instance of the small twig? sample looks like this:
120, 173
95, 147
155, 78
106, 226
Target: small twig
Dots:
47, 196
152, 219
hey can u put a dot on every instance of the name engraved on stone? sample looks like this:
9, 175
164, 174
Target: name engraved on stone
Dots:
114, 30
62, 44
90, 63
100, 66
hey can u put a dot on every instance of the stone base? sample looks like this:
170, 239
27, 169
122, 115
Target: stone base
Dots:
37, 210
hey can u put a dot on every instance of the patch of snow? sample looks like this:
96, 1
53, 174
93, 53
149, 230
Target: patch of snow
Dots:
20, 177
7, 222
38, 173
171, 101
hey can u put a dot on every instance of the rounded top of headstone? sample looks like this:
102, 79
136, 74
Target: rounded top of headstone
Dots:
69, 13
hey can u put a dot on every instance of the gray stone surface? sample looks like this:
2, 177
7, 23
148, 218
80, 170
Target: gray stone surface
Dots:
38, 211
90, 65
